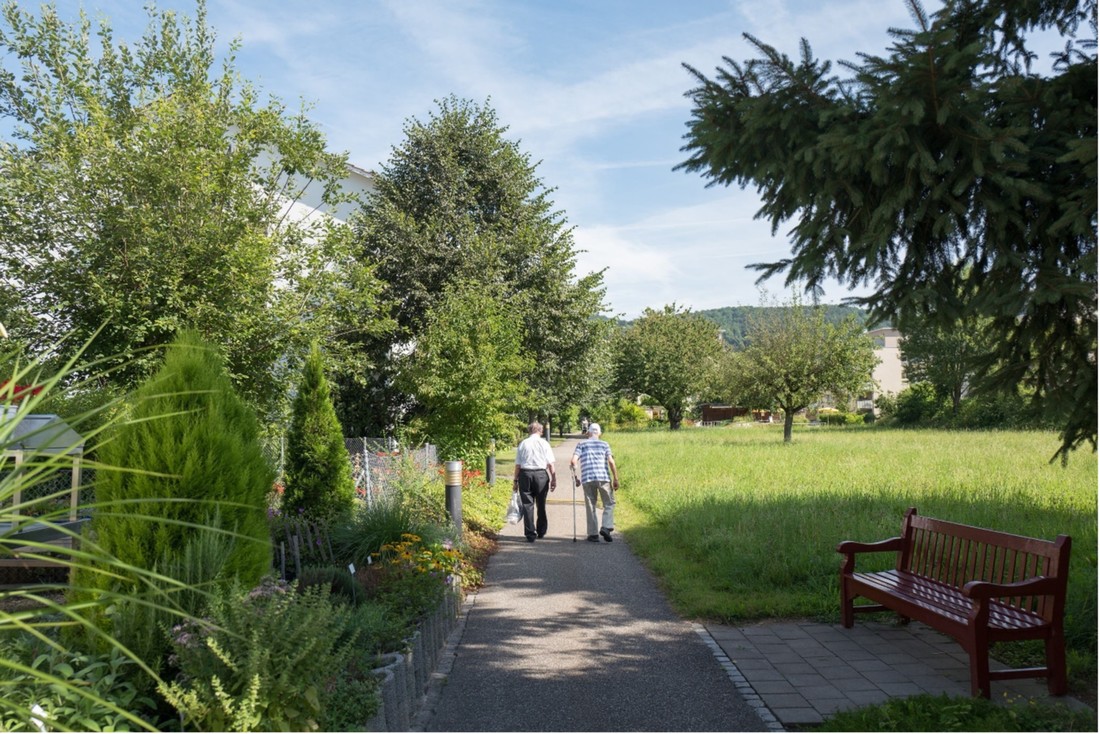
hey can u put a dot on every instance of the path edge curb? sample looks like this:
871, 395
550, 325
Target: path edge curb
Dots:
748, 693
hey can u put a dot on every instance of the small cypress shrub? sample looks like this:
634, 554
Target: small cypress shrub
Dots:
317, 474
190, 450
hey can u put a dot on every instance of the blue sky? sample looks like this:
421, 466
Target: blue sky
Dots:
591, 88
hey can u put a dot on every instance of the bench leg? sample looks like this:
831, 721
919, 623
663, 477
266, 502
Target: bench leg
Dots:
1056, 665
979, 665
847, 614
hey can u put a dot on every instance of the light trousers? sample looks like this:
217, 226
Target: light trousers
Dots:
607, 496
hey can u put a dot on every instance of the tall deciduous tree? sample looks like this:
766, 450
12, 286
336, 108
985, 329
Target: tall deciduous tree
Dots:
460, 203
947, 174
318, 471
795, 357
467, 372
944, 356
668, 355
146, 191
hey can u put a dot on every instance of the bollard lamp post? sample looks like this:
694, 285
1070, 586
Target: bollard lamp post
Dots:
453, 493
491, 463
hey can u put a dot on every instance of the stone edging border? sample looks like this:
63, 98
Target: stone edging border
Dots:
437, 679
752, 698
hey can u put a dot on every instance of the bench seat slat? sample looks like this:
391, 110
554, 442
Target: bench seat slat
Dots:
945, 600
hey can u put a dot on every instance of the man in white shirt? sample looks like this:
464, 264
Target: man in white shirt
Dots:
534, 477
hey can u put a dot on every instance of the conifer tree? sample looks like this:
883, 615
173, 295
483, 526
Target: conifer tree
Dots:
189, 453
318, 474
948, 174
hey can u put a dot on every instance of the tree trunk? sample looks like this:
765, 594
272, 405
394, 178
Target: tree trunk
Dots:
788, 424
674, 419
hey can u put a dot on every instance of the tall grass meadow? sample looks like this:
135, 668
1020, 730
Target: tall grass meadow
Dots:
740, 526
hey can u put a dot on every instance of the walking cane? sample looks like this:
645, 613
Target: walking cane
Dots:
573, 474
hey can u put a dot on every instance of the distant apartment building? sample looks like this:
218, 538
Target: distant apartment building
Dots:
888, 376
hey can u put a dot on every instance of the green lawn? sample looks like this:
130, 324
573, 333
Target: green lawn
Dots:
739, 526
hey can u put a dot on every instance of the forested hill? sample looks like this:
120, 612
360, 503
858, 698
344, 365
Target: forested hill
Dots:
733, 320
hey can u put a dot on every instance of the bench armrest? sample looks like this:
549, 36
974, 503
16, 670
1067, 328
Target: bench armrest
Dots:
1035, 586
849, 548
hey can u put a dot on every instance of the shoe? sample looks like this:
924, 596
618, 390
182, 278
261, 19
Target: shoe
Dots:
593, 539
542, 535
531, 539
606, 534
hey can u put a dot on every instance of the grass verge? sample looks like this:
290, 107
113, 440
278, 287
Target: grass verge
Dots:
739, 526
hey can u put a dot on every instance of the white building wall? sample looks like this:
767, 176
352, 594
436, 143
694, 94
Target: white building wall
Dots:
308, 206
889, 373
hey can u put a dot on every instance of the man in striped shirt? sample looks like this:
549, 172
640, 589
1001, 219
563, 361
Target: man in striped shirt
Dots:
598, 474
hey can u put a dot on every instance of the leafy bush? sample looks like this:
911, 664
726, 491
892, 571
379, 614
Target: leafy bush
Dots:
833, 417
98, 694
621, 413
917, 404
349, 703
261, 660
380, 630
887, 405
996, 410
483, 506
318, 471
943, 713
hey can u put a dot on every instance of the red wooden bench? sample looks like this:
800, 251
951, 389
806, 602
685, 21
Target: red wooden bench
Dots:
978, 586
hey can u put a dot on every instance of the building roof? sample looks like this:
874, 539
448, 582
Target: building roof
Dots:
42, 433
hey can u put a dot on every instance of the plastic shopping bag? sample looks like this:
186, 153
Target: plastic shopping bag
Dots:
513, 514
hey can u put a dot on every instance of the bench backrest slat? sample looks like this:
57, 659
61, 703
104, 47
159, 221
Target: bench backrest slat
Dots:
953, 554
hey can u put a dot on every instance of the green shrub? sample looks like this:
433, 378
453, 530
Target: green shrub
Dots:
98, 694
262, 660
996, 410
349, 703
190, 449
413, 502
318, 471
338, 581
380, 630
943, 713
887, 405
917, 404
139, 621
483, 506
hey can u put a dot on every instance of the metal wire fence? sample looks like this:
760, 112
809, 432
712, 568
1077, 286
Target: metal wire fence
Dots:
375, 463
56, 485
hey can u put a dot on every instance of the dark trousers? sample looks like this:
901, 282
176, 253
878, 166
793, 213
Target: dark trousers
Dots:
534, 484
